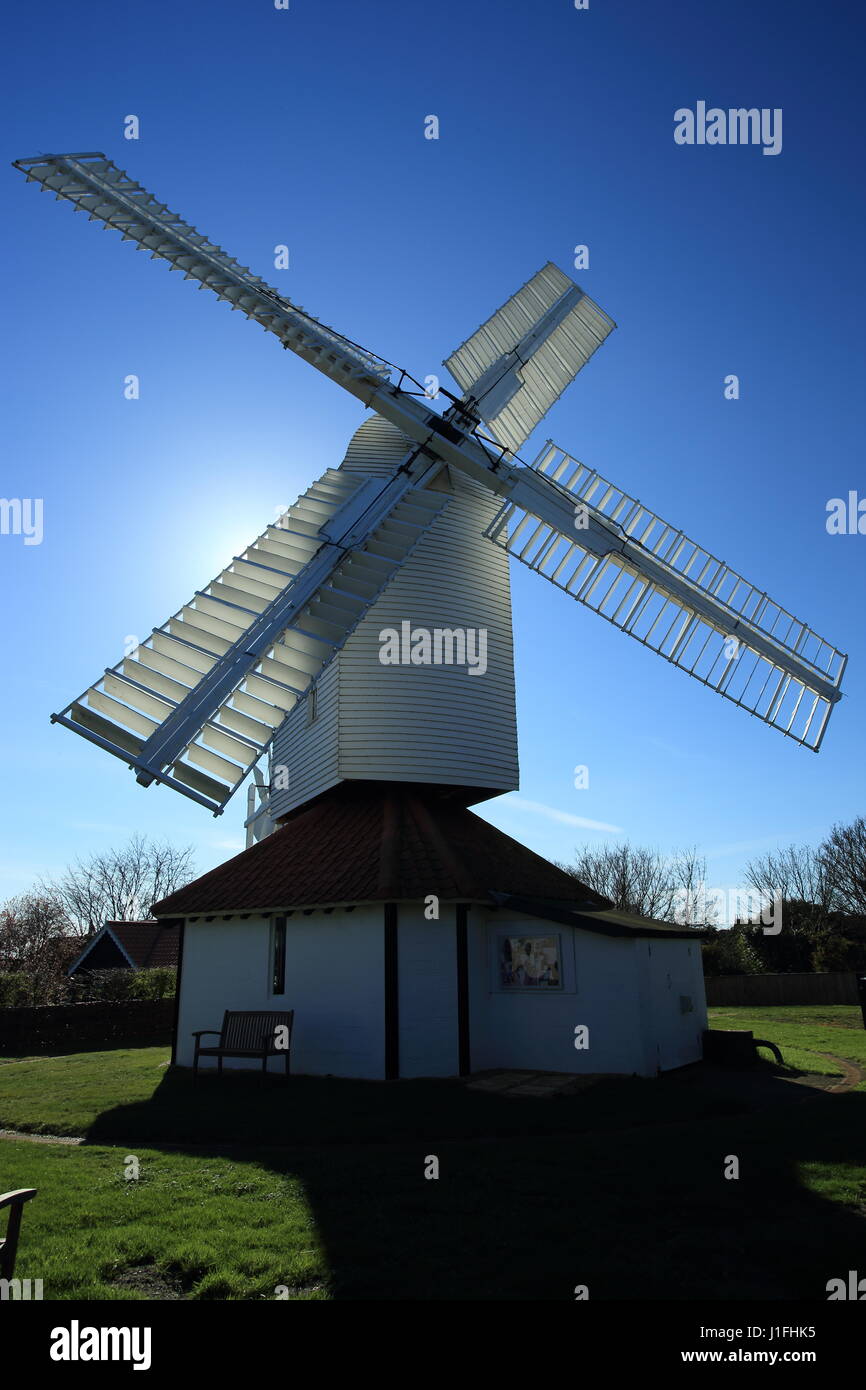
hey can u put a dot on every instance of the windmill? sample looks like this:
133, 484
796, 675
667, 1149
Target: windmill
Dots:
260, 659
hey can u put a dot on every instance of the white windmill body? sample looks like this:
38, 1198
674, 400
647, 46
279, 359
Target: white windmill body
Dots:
447, 724
345, 646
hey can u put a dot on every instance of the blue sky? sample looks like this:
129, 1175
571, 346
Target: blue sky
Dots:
305, 127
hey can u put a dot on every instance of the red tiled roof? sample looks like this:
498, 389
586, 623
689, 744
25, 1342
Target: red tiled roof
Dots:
148, 944
375, 842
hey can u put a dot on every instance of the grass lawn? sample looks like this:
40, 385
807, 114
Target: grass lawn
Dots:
64, 1095
318, 1188
803, 1032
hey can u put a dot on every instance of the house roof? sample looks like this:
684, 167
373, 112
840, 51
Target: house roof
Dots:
609, 921
375, 842
145, 945
148, 944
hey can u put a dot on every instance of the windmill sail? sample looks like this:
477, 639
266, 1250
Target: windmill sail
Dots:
197, 704
646, 577
199, 701
517, 364
93, 184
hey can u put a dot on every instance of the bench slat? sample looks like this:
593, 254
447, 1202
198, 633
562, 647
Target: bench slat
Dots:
249, 1033
246, 1030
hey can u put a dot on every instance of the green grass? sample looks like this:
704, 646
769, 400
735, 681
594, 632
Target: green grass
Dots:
319, 1187
803, 1032
126, 1097
64, 1095
189, 1226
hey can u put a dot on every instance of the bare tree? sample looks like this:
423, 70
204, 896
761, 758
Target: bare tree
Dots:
121, 884
668, 888
843, 861
696, 905
796, 874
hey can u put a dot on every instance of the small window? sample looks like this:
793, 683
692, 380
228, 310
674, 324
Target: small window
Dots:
278, 981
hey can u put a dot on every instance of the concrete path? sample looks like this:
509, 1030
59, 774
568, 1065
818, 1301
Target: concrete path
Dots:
545, 1084
852, 1077
40, 1138
537, 1084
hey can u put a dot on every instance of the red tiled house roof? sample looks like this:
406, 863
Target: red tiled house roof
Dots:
372, 843
375, 842
135, 945
148, 944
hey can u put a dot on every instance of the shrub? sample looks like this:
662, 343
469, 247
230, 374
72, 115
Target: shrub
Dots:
15, 989
118, 986
838, 953
729, 952
159, 983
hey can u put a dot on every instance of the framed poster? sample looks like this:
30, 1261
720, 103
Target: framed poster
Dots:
529, 962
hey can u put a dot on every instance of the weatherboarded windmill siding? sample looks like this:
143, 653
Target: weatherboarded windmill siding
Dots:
414, 723
362, 646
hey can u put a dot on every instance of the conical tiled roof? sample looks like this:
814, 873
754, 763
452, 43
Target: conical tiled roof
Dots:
377, 842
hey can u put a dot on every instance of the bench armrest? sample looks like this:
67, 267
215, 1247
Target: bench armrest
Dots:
202, 1032
22, 1195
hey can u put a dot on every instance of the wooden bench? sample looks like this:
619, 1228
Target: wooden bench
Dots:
247, 1034
9, 1246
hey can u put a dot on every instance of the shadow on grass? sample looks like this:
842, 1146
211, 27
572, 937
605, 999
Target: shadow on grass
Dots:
620, 1187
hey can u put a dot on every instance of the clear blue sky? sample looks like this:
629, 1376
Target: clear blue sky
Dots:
305, 127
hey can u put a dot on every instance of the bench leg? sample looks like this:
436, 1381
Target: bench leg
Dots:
10, 1244
287, 1065
219, 1066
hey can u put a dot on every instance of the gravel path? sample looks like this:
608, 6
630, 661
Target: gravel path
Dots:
40, 1138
